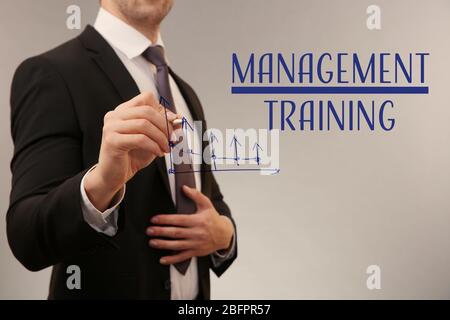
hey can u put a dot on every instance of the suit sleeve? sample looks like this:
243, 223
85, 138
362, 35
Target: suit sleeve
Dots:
223, 209
45, 223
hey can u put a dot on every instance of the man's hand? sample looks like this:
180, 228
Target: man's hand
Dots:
134, 134
191, 235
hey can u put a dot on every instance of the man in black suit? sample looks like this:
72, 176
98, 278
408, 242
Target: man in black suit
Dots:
91, 185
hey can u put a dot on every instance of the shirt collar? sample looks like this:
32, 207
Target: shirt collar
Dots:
121, 35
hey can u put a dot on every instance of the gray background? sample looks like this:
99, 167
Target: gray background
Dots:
343, 200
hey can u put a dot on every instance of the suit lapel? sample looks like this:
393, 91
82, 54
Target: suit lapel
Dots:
108, 61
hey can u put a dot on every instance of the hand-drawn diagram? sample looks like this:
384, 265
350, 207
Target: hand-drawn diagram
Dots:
216, 160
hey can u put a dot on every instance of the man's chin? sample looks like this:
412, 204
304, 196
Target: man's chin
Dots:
142, 10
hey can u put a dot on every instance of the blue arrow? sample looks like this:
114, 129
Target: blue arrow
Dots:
186, 124
213, 137
258, 147
235, 142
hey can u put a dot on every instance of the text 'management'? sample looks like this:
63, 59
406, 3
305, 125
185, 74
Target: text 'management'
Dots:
349, 81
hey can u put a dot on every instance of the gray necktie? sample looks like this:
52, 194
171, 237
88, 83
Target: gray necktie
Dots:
184, 174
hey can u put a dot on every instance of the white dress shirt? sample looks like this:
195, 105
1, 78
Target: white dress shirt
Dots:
129, 44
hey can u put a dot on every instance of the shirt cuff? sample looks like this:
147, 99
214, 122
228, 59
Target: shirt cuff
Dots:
106, 221
219, 257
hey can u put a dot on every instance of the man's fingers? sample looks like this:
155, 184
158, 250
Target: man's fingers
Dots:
176, 245
145, 112
199, 198
144, 98
172, 232
142, 126
180, 220
127, 142
147, 99
179, 257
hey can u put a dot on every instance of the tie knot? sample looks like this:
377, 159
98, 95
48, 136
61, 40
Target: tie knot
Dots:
155, 54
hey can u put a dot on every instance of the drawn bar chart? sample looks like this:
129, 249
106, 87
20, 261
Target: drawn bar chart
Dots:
214, 166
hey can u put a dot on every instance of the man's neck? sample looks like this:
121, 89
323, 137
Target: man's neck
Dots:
149, 30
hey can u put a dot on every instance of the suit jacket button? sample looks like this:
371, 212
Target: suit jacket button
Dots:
167, 284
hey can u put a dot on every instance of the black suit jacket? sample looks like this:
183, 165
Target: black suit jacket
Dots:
58, 101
